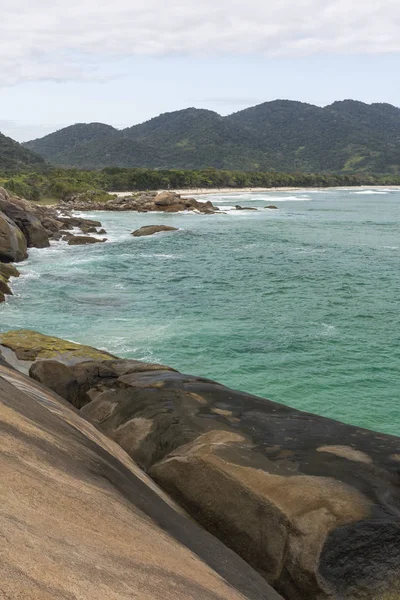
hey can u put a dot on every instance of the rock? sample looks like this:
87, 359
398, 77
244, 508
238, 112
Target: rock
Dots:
238, 207
151, 229
23, 215
57, 236
52, 225
80, 520
78, 240
4, 288
67, 236
101, 231
31, 345
8, 270
12, 241
78, 222
71, 384
271, 206
166, 199
88, 229
142, 202
310, 503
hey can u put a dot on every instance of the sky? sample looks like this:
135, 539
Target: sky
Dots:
123, 61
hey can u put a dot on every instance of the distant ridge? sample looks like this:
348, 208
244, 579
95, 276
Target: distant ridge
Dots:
283, 135
15, 158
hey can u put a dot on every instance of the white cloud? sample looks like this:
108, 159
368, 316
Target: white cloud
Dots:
72, 39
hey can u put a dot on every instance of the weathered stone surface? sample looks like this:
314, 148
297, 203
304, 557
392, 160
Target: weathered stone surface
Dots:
8, 270
78, 519
23, 214
30, 345
72, 383
151, 229
12, 241
78, 240
312, 504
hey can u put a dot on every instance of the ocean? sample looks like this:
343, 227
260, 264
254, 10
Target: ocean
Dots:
299, 305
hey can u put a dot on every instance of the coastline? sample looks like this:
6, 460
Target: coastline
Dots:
207, 191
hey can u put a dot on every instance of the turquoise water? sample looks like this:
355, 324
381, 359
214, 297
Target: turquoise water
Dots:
300, 304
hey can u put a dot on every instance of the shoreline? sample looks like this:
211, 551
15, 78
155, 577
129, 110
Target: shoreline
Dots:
208, 191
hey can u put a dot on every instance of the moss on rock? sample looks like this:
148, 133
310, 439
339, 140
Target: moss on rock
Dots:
31, 345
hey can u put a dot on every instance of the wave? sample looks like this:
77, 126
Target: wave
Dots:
290, 199
371, 192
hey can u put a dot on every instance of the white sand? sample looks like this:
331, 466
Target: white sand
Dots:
201, 191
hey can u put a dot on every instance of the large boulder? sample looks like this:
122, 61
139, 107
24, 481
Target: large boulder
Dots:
312, 504
23, 214
12, 241
78, 518
151, 229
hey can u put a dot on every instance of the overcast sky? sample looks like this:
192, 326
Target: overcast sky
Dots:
124, 61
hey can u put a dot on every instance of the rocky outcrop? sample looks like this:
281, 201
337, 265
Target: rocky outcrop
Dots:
152, 229
12, 241
7, 271
312, 504
144, 202
79, 240
25, 215
272, 207
79, 519
24, 225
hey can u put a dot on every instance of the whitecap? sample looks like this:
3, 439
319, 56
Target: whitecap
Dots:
370, 192
289, 199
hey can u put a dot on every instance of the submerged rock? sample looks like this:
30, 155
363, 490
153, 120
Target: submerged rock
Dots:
77, 240
151, 229
79, 519
310, 503
271, 206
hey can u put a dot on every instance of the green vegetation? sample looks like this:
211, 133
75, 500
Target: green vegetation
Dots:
285, 136
15, 158
65, 184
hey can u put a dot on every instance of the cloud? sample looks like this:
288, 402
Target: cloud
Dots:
75, 39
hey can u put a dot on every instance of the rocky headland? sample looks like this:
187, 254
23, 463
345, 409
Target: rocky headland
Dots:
142, 202
25, 225
311, 504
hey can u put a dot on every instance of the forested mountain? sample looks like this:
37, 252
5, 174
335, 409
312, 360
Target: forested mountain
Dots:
282, 135
15, 158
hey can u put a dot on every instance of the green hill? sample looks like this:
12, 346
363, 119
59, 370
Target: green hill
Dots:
282, 135
15, 158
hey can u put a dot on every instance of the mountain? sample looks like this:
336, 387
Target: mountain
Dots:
282, 135
55, 146
15, 158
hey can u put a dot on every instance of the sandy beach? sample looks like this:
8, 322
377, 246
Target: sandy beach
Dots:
203, 191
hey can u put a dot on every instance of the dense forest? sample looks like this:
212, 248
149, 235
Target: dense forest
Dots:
345, 137
15, 158
64, 184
